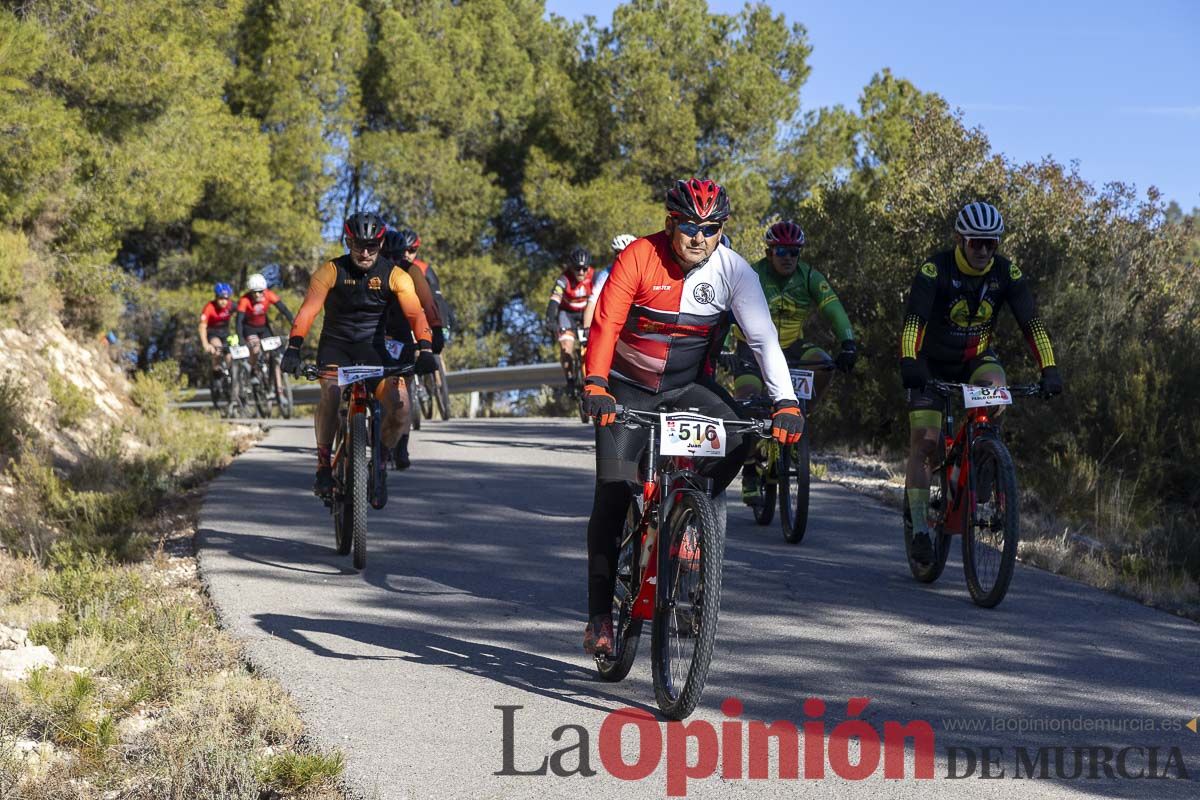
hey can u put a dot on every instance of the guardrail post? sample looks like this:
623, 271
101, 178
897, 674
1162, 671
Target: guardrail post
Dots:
473, 411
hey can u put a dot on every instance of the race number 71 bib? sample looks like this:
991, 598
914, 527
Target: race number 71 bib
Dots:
685, 433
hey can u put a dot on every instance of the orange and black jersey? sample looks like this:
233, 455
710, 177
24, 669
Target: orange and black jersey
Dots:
952, 309
356, 302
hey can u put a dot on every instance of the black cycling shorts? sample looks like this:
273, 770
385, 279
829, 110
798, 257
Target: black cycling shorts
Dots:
570, 320
619, 448
261, 332
951, 371
336, 352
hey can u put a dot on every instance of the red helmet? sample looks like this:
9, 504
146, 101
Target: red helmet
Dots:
785, 233
698, 199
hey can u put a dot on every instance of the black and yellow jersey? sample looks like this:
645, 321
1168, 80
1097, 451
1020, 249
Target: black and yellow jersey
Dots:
952, 309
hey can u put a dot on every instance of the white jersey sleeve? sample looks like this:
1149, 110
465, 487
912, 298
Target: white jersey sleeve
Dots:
749, 307
597, 285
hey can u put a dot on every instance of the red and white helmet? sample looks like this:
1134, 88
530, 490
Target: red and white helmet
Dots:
785, 233
698, 199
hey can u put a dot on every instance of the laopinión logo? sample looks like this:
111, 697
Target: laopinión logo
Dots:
737, 749
719, 749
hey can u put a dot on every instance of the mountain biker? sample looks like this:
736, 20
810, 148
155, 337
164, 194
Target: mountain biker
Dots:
408, 257
793, 290
619, 243
355, 291
568, 298
948, 323
658, 321
252, 308
399, 247
214, 324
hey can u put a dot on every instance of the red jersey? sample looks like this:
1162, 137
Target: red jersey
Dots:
570, 294
217, 317
256, 312
655, 325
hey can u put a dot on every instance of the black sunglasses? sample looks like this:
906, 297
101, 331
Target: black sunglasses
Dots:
692, 228
787, 251
983, 244
365, 245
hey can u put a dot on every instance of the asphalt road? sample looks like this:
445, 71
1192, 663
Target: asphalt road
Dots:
473, 598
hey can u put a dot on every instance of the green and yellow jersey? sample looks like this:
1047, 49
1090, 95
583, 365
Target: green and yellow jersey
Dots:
793, 298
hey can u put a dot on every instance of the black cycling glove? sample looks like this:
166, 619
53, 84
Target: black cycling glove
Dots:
845, 359
913, 373
1051, 382
439, 339
290, 364
426, 363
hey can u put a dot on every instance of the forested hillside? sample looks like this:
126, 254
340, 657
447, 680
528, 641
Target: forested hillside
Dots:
150, 148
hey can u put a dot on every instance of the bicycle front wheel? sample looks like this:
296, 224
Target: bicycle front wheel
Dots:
442, 390
426, 393
414, 400
340, 507
627, 631
283, 394
989, 547
258, 390
768, 481
685, 627
793, 490
357, 468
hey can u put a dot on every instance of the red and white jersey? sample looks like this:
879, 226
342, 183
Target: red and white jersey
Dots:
654, 326
570, 294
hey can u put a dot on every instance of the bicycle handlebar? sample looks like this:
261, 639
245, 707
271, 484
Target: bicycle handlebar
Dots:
645, 419
950, 389
312, 372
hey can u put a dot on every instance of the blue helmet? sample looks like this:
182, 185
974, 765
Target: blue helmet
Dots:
223, 290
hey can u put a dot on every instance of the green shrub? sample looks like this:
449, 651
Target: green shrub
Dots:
14, 252
93, 294
155, 388
72, 404
13, 426
295, 772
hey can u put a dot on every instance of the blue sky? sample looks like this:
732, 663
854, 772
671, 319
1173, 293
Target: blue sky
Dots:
1114, 86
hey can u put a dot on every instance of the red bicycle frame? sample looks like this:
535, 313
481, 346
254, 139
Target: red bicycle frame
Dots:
958, 481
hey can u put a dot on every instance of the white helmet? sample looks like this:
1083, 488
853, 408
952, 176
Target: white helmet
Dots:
979, 219
621, 241
257, 283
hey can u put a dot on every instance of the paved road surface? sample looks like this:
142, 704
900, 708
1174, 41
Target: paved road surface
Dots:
473, 598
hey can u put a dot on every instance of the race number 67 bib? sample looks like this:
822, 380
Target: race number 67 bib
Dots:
686, 433
979, 396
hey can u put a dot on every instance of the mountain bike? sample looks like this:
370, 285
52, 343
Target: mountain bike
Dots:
576, 371
973, 493
434, 390
359, 461
268, 385
243, 398
225, 389
786, 470
673, 580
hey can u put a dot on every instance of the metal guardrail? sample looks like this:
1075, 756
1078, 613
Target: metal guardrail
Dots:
465, 381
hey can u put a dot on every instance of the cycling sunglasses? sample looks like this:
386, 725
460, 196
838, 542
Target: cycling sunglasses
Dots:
787, 251
989, 245
692, 228
366, 245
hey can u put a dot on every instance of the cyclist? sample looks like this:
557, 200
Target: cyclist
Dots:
951, 313
252, 322
399, 247
793, 289
619, 243
407, 257
214, 324
564, 313
662, 312
355, 291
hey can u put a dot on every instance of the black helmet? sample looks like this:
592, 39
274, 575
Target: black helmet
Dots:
580, 258
364, 227
411, 240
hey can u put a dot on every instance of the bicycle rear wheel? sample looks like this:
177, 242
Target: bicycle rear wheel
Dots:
685, 629
793, 470
768, 482
442, 390
357, 467
989, 547
627, 631
928, 573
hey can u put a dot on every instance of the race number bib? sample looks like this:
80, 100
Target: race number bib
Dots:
271, 343
979, 396
347, 375
685, 433
239, 351
394, 347
802, 382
